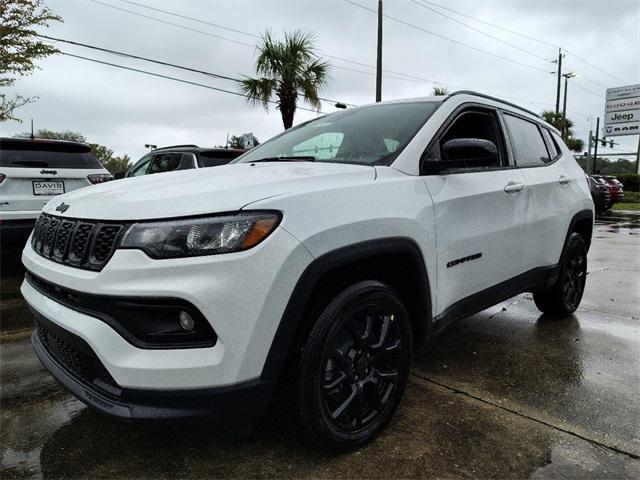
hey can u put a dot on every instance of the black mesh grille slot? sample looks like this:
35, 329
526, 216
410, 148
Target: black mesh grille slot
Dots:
41, 233
104, 242
50, 236
62, 240
84, 244
80, 242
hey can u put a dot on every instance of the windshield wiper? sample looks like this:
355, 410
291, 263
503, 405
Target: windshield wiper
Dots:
286, 159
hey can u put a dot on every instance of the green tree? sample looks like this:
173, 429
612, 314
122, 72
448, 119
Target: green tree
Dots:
440, 91
564, 125
117, 164
288, 69
20, 47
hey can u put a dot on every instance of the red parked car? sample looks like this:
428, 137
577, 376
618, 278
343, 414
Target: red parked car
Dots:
616, 189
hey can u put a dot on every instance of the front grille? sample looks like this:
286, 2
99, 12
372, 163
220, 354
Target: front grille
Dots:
84, 244
75, 356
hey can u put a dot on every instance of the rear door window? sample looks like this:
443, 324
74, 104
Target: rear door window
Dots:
165, 162
526, 140
43, 154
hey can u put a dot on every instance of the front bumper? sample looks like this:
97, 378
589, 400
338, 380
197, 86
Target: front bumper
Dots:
242, 295
244, 401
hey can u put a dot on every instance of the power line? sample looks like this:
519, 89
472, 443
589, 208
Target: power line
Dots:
394, 74
166, 64
167, 77
192, 19
528, 37
220, 37
429, 32
482, 32
587, 90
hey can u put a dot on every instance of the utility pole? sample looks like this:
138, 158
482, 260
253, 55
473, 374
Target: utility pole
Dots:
638, 157
559, 80
379, 56
566, 76
595, 147
589, 170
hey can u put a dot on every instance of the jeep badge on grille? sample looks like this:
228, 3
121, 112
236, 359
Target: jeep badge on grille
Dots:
63, 207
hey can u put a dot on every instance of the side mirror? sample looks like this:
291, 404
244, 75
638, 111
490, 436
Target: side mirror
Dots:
472, 151
119, 175
461, 153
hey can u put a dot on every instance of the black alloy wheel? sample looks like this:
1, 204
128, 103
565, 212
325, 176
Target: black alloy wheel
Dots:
354, 365
563, 297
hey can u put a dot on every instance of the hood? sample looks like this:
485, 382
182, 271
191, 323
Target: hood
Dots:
201, 191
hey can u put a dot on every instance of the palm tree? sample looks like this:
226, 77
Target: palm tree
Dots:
556, 119
440, 91
288, 69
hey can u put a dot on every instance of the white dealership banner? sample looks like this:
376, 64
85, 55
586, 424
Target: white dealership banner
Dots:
622, 111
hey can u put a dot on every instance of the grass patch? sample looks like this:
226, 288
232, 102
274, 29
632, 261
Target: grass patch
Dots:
631, 197
626, 206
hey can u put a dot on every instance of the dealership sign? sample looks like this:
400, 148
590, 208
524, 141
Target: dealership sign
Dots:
622, 111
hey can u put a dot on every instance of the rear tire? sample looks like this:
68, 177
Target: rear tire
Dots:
354, 366
563, 297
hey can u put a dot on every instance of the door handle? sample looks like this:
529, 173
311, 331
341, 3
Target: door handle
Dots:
564, 180
513, 187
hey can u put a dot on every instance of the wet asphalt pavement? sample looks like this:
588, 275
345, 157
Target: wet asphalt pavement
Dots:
505, 393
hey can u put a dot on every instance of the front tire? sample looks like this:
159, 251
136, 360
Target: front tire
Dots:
354, 366
564, 296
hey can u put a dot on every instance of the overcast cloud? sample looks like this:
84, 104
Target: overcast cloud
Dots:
124, 110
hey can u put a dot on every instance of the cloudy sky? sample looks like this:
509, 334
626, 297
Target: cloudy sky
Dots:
124, 109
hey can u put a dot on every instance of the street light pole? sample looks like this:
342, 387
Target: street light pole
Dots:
379, 55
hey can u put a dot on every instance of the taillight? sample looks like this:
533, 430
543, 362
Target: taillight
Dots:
2, 177
99, 178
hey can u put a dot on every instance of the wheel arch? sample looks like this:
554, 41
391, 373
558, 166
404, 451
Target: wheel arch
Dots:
396, 261
582, 223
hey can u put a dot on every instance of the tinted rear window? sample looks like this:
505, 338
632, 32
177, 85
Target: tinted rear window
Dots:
29, 154
214, 158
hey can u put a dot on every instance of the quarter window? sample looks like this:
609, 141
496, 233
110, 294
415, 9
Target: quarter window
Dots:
526, 140
554, 150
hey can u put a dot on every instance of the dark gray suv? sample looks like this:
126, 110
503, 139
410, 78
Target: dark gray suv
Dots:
180, 157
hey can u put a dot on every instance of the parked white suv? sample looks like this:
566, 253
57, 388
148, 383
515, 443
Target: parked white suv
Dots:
32, 172
320, 259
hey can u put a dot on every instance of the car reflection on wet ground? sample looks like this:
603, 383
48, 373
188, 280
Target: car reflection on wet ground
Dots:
504, 393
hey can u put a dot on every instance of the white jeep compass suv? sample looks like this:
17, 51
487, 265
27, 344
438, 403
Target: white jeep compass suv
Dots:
320, 259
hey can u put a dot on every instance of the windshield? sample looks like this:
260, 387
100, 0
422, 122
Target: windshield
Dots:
373, 135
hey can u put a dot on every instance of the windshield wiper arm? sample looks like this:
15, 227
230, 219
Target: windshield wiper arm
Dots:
286, 159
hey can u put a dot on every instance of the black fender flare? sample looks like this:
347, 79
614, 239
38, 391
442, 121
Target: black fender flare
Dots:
312, 275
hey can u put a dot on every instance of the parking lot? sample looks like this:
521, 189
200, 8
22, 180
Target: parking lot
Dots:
504, 393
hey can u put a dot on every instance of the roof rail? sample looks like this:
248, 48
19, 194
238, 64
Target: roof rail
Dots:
176, 146
496, 99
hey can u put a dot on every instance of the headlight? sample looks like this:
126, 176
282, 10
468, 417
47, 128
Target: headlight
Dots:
201, 236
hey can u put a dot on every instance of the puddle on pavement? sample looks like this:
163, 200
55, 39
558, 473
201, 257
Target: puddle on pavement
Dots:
435, 433
619, 222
